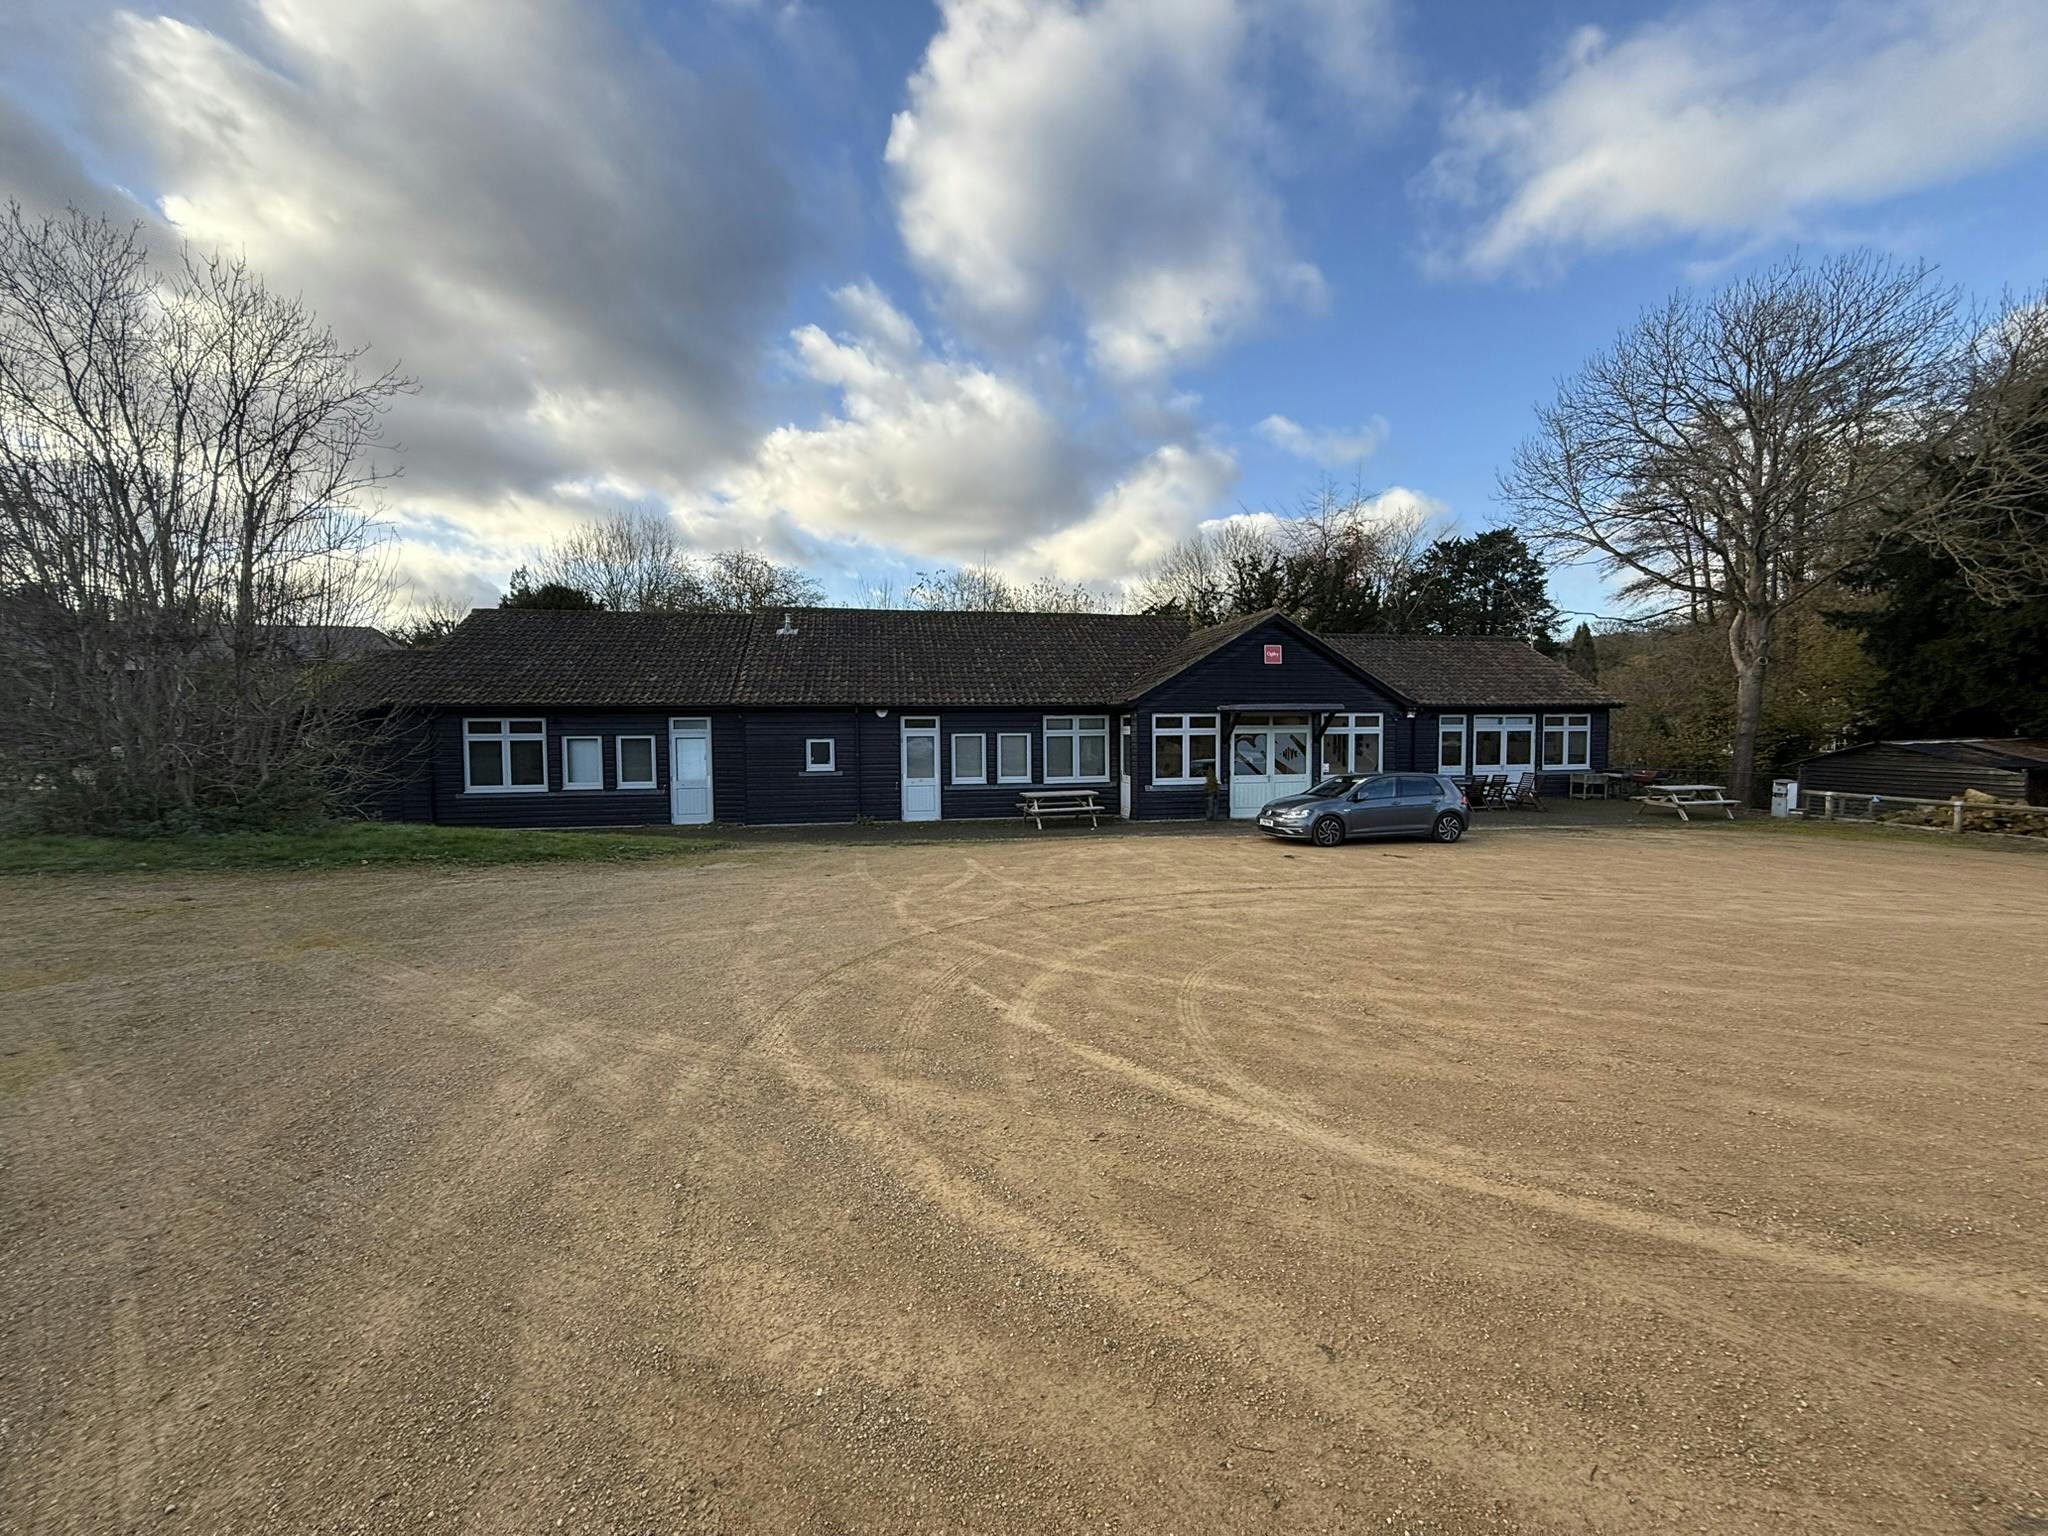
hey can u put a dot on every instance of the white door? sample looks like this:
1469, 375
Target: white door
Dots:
689, 772
920, 768
1266, 763
1124, 768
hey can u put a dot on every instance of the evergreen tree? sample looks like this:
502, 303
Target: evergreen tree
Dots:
1948, 663
524, 593
1488, 584
1582, 655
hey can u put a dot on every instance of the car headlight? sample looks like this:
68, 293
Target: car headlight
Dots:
1291, 813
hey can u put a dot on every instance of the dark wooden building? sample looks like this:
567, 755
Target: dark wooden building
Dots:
544, 718
2012, 768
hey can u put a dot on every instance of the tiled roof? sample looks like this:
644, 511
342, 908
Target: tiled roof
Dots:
501, 656
847, 656
883, 656
1468, 670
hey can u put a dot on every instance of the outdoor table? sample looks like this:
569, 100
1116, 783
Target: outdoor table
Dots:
1592, 786
1041, 803
1683, 798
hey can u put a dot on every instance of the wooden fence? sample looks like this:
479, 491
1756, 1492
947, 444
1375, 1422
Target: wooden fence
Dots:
1839, 806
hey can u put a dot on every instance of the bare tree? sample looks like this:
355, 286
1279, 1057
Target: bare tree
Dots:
984, 589
187, 463
963, 589
1730, 455
632, 560
1194, 577
428, 621
1337, 560
739, 580
1984, 501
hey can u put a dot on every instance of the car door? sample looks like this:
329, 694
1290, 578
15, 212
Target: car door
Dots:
1416, 802
1373, 807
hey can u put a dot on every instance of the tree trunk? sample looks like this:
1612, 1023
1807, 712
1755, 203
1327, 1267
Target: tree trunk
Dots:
1749, 643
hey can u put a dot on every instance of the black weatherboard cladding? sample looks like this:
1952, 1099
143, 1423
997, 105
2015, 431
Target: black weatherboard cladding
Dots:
607, 807
770, 683
1305, 679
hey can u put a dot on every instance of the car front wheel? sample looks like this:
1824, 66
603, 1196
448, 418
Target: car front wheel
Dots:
1448, 828
1329, 832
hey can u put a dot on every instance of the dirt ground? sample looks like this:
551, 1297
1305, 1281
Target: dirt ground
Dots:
1672, 1180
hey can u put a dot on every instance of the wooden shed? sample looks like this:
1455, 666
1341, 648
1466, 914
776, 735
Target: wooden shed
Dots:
2012, 768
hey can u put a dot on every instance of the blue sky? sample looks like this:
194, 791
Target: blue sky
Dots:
889, 286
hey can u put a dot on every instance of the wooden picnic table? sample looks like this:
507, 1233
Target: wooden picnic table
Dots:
1041, 803
1685, 798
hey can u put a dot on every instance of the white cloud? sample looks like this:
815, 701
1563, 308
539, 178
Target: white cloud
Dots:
1398, 501
1141, 517
1331, 447
573, 241
937, 458
1112, 157
945, 458
1738, 121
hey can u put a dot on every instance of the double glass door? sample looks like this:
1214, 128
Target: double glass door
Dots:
1268, 760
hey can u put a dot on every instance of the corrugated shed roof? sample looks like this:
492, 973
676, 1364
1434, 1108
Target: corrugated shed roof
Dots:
2018, 752
1468, 670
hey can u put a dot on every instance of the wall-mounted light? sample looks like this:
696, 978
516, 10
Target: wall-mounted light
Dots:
881, 714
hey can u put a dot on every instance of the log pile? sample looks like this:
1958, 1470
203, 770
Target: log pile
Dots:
1984, 813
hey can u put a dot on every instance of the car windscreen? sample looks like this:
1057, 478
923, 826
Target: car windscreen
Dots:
1329, 789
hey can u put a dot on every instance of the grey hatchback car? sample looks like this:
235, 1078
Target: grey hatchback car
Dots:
1371, 805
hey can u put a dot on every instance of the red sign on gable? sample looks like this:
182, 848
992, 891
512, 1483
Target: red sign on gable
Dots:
1272, 655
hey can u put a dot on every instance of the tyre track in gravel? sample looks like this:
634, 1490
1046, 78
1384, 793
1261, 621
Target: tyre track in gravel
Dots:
878, 1120
1137, 1292
1914, 1281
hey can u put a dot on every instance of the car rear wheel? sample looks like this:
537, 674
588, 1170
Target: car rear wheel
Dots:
1329, 832
1448, 828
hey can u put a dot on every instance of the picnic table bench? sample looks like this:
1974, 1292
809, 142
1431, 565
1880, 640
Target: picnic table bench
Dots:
1041, 803
1686, 798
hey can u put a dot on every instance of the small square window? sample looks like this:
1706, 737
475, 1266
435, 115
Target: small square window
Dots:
636, 762
970, 759
1013, 758
821, 755
582, 762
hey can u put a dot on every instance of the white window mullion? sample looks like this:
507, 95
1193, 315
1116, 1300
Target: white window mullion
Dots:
514, 753
1068, 739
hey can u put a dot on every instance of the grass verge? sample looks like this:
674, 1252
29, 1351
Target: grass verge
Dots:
339, 845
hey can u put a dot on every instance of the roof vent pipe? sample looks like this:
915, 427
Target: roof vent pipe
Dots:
787, 627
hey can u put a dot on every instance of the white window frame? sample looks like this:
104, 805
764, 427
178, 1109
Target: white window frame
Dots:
1350, 729
619, 763
1567, 726
981, 746
1183, 729
504, 736
831, 746
567, 782
1463, 766
1507, 725
1013, 778
1075, 732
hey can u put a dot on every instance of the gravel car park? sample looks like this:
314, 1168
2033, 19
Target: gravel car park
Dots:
1054, 1183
